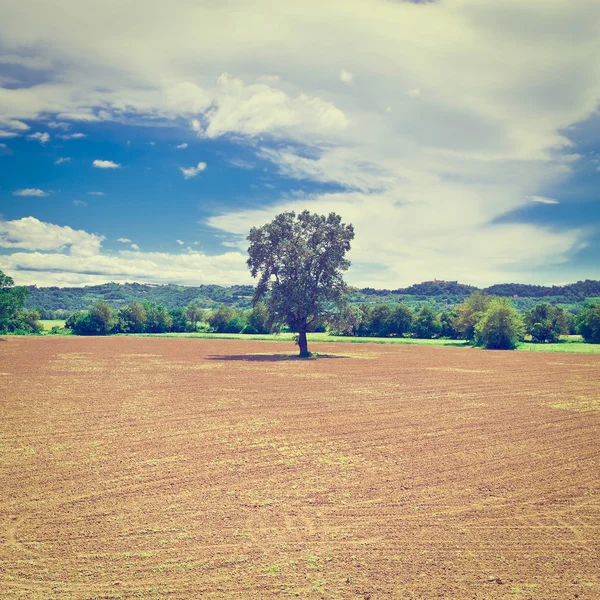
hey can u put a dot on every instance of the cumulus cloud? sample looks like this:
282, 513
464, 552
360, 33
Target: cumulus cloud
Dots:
42, 138
189, 172
105, 164
124, 240
61, 160
79, 203
30, 192
415, 93
346, 76
8, 134
32, 234
180, 242
134, 247
60, 255
543, 200
181, 146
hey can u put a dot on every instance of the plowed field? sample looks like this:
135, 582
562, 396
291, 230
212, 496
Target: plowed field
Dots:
186, 468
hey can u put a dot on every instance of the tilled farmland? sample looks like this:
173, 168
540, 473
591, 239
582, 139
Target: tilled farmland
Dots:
188, 468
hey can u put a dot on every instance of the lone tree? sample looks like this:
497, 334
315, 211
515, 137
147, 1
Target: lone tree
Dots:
299, 261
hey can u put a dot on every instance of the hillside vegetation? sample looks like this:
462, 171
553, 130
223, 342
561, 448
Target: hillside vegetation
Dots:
438, 294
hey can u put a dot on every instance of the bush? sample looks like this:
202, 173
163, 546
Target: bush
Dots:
500, 327
427, 324
588, 323
546, 323
469, 313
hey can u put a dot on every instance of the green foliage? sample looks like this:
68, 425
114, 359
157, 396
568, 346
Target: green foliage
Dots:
178, 320
14, 318
346, 320
448, 323
219, 319
194, 314
258, 319
469, 313
588, 323
158, 319
99, 320
299, 261
131, 318
500, 327
546, 323
427, 324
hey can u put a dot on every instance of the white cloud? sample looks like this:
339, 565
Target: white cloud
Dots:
61, 160
8, 134
30, 192
42, 138
95, 193
58, 125
63, 256
79, 203
181, 146
414, 93
180, 242
135, 247
105, 164
124, 240
346, 76
192, 171
543, 200
72, 136
31, 234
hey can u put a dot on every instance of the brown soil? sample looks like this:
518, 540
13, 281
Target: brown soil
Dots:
187, 468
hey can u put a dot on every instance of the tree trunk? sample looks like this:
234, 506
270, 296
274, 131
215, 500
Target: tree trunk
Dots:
304, 353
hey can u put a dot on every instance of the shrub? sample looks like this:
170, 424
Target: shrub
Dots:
588, 323
500, 327
545, 323
427, 323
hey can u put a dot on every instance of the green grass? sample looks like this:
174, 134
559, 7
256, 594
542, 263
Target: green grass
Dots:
567, 344
49, 324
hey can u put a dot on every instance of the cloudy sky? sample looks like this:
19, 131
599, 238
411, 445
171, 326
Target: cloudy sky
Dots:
141, 141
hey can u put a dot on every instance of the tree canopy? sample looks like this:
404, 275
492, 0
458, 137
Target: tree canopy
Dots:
299, 261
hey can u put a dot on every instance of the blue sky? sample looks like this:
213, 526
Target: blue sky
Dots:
461, 138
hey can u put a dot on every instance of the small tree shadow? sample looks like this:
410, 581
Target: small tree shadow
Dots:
272, 357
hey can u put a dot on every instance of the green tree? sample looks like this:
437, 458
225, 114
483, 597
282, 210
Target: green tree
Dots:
427, 323
194, 314
380, 321
469, 313
346, 320
588, 322
448, 322
178, 320
131, 318
299, 261
500, 327
546, 323
220, 317
158, 319
13, 316
258, 320
401, 320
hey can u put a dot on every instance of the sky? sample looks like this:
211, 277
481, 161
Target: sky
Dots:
142, 141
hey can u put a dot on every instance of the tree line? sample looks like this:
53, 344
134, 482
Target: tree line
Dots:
486, 321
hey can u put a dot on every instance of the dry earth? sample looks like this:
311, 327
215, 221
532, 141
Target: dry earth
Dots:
186, 468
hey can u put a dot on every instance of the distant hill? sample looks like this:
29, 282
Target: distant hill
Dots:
437, 293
